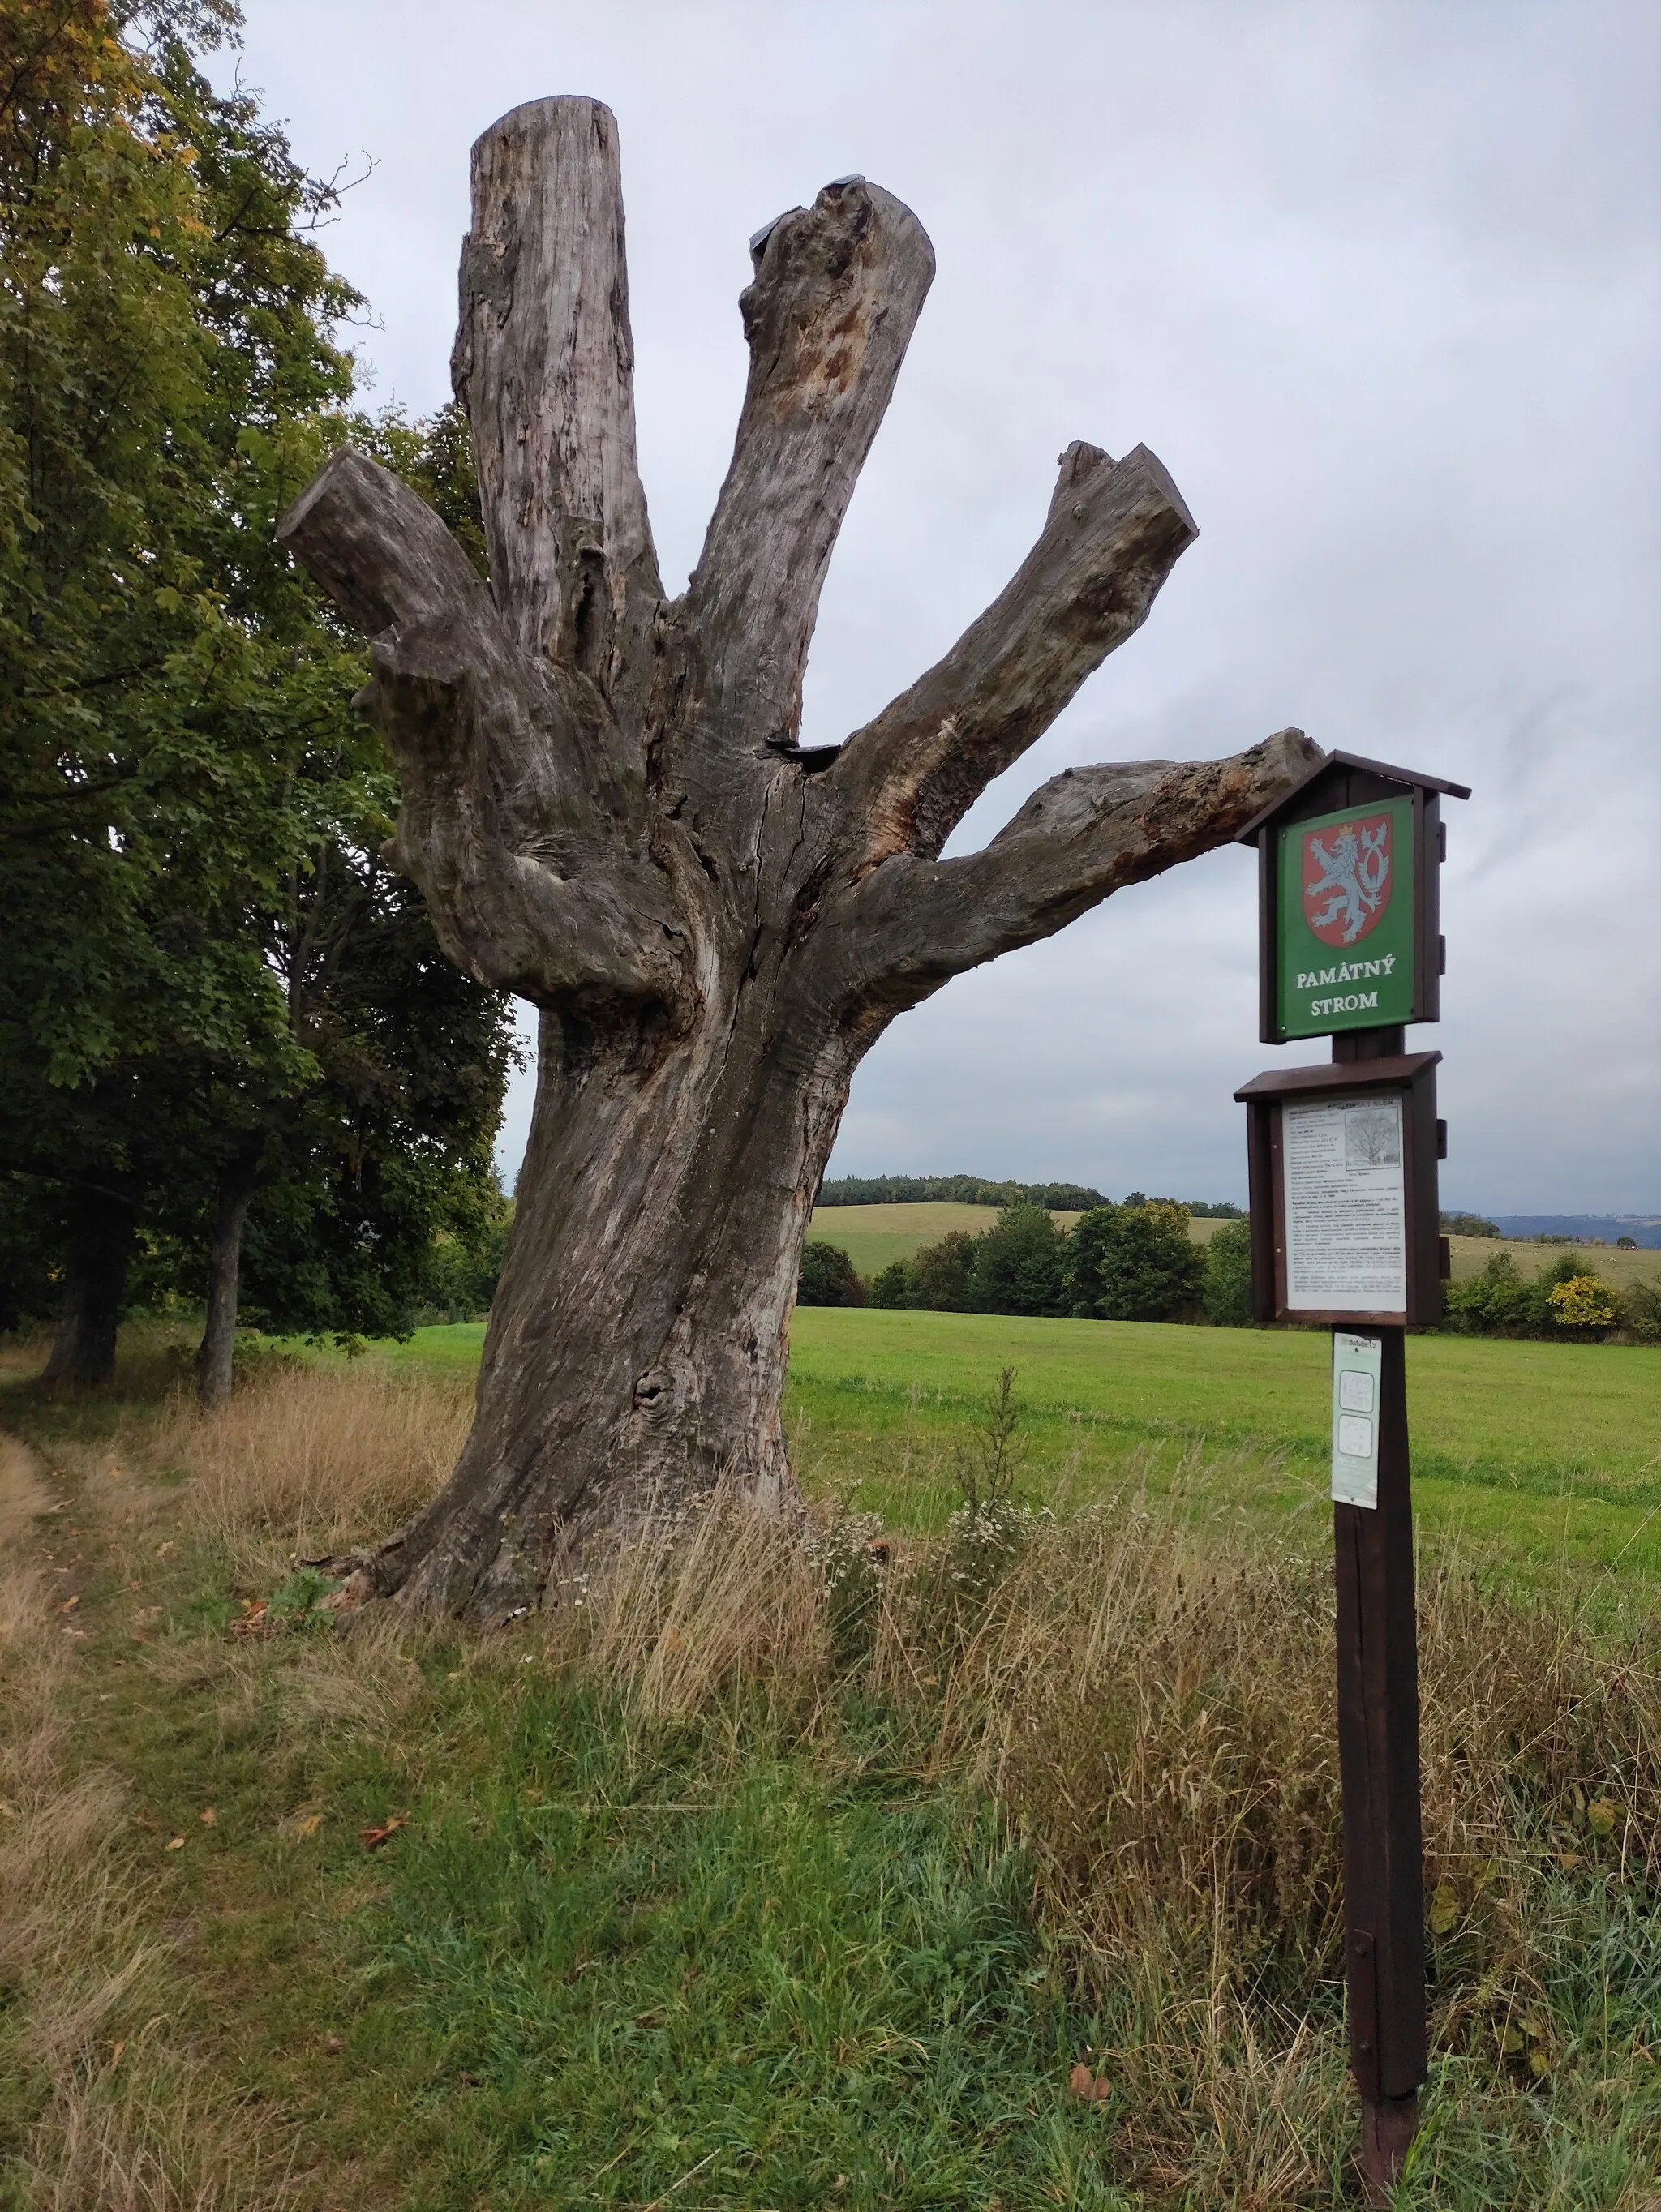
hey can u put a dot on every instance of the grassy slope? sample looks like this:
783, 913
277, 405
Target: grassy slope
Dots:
874, 1235
871, 1236
1549, 1455
1472, 1253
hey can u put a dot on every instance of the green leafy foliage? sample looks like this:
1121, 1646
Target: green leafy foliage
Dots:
955, 1189
211, 980
828, 1277
980, 1190
1020, 1264
1566, 1301
1133, 1263
1225, 1288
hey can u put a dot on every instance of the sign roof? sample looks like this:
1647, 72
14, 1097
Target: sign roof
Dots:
1408, 778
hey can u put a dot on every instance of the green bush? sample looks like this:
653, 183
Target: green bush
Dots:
1640, 1312
1225, 1291
893, 1286
1565, 1301
1496, 1302
828, 1277
1133, 1263
941, 1273
1019, 1265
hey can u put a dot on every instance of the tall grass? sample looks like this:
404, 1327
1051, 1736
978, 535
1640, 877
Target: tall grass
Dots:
311, 1460
1145, 1704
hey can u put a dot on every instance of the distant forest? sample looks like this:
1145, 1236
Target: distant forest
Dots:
976, 1190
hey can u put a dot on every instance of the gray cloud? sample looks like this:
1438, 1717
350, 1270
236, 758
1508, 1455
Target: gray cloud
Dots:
1378, 281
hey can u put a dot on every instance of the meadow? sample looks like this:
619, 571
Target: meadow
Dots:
1000, 1869
1543, 1458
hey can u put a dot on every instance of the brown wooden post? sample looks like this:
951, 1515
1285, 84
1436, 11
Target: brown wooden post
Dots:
1378, 1676
1378, 1758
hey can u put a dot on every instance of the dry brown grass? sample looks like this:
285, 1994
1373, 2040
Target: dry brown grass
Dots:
305, 1460
717, 1601
117, 2129
1149, 1702
1156, 1711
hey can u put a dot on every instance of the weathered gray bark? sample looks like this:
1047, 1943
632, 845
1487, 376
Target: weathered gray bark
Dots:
215, 1355
605, 807
101, 1229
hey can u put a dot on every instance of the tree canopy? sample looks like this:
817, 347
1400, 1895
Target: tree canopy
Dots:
216, 996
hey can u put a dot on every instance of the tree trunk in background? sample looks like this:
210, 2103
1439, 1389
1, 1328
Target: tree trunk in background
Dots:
216, 1358
94, 1284
607, 809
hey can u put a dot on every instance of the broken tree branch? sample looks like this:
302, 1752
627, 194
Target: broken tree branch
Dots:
544, 365
1113, 532
1079, 838
838, 288
506, 822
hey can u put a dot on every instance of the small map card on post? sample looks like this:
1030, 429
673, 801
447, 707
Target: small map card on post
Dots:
1357, 1363
1346, 1211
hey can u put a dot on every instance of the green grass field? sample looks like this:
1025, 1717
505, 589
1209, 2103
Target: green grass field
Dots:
1547, 1455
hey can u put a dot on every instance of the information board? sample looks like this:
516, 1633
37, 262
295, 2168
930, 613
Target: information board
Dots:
1346, 888
1357, 1368
1345, 1206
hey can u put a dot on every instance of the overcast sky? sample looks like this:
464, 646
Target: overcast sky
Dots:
1378, 281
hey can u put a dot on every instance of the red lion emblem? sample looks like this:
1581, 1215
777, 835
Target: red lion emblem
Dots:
1347, 879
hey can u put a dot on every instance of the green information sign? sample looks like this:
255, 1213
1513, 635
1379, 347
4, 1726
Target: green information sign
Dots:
1344, 894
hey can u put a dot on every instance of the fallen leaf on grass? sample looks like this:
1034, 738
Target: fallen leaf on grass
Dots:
334, 2044
115, 2055
309, 1826
1443, 1908
372, 1839
177, 1844
1094, 2088
209, 1816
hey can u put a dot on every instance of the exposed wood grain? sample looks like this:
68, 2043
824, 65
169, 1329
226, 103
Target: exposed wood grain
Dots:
505, 822
544, 365
838, 290
1114, 531
1083, 835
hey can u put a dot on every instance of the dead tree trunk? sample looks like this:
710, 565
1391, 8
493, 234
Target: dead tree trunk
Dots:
606, 808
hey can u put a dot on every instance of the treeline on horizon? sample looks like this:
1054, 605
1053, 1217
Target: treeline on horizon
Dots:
1137, 1262
1130, 1262
980, 1190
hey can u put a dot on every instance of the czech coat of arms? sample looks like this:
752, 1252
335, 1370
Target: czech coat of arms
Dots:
1346, 878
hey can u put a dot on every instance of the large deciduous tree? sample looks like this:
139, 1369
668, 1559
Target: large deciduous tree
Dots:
606, 806
212, 997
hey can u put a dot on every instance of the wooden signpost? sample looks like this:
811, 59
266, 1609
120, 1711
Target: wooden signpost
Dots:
1345, 1232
